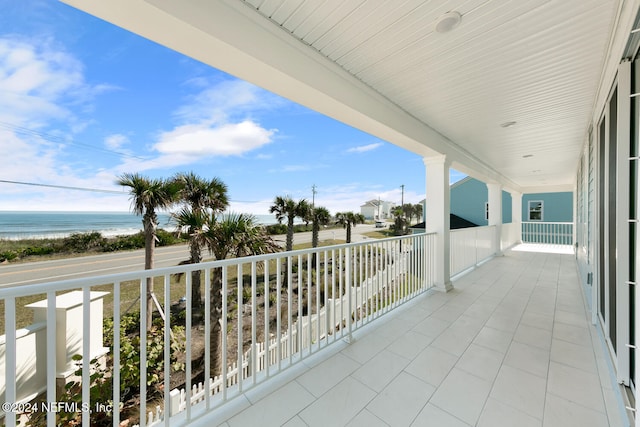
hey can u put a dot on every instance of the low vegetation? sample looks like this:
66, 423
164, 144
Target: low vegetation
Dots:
79, 243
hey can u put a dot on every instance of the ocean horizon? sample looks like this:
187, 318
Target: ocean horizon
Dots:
15, 225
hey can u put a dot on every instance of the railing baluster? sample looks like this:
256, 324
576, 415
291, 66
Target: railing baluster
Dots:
240, 310
52, 361
116, 352
167, 348
254, 322
143, 351
267, 319
309, 304
207, 340
223, 331
86, 354
290, 308
279, 312
189, 314
10, 358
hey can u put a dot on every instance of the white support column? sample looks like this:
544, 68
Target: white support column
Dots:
495, 215
437, 217
516, 215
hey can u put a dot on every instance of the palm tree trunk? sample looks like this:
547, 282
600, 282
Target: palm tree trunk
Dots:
215, 335
196, 294
150, 243
290, 233
348, 232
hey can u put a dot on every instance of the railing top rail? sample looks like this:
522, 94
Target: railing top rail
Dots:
479, 227
68, 284
547, 222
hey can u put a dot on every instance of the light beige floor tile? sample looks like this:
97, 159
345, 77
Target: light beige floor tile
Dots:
528, 358
380, 370
454, 341
576, 385
366, 419
295, 422
276, 408
327, 374
481, 362
365, 348
560, 412
498, 414
410, 344
574, 355
432, 416
507, 322
570, 318
462, 395
494, 339
537, 319
401, 401
431, 326
573, 334
432, 365
533, 336
450, 312
339, 405
521, 390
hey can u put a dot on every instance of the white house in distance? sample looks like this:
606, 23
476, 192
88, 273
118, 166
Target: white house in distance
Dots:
377, 209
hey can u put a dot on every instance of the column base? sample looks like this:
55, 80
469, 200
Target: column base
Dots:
446, 287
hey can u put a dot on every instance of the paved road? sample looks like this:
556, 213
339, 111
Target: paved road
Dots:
119, 262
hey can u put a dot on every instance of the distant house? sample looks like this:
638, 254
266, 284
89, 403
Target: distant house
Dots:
469, 197
377, 209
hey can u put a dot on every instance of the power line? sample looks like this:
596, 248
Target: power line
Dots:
94, 190
59, 140
64, 187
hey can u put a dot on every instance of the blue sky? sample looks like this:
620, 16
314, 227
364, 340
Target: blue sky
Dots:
83, 101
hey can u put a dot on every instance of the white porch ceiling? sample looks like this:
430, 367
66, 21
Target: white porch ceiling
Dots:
380, 66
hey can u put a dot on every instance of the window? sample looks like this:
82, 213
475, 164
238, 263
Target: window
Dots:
535, 210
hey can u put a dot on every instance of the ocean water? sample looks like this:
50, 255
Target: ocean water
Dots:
42, 225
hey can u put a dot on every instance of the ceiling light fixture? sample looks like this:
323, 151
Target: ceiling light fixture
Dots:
526, 156
448, 22
507, 124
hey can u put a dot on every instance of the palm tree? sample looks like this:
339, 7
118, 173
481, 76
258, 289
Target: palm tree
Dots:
399, 221
234, 235
320, 216
148, 195
201, 197
417, 209
409, 212
348, 220
286, 207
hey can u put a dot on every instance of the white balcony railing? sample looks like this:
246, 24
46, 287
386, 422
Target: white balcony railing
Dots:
274, 311
470, 246
550, 233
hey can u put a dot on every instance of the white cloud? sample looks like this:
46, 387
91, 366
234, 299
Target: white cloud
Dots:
197, 140
116, 141
364, 148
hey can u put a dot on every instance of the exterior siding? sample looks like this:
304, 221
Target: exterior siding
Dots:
557, 207
468, 198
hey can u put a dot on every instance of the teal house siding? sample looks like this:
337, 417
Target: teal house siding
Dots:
468, 200
556, 207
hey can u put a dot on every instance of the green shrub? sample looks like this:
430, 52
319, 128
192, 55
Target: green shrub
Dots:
8, 256
276, 229
83, 242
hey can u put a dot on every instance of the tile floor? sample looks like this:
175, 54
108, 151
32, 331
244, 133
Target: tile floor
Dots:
509, 346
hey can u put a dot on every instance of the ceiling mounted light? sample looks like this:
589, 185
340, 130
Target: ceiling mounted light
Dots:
507, 124
526, 156
448, 22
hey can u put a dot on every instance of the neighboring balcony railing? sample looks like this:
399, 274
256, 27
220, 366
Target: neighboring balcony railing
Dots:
261, 315
550, 233
470, 246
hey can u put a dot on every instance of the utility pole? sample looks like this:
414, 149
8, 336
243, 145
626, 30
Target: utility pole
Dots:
402, 200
